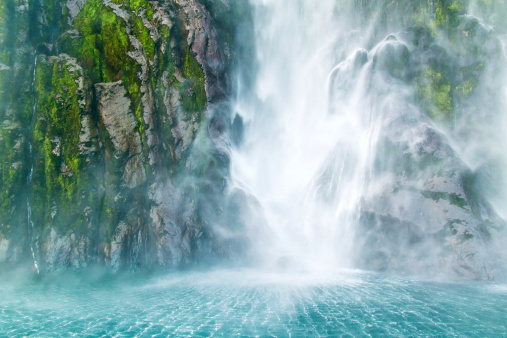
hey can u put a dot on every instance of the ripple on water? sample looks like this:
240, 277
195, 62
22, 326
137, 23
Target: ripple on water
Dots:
253, 304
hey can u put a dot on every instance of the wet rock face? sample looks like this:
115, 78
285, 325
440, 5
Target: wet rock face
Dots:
392, 57
66, 251
202, 36
173, 229
120, 123
113, 99
425, 205
425, 210
425, 213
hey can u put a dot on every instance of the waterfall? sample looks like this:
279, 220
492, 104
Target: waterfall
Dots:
31, 228
350, 133
307, 149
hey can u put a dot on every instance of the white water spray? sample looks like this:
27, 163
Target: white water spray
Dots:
334, 133
307, 147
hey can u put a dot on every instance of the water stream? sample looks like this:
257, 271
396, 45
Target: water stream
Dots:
31, 228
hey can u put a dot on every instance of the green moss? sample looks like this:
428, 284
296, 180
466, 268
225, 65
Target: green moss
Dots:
468, 79
433, 92
8, 29
108, 214
142, 34
466, 88
60, 176
165, 59
15, 92
102, 48
193, 90
4, 5
446, 12
137, 6
56, 15
102, 44
12, 172
440, 17
59, 131
137, 9
16, 101
4, 81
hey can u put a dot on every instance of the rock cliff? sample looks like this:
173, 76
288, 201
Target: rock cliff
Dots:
114, 131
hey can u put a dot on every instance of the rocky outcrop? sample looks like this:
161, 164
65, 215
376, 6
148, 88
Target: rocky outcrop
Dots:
422, 211
114, 109
202, 36
120, 124
426, 216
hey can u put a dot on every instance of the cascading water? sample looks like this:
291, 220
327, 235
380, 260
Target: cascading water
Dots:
309, 138
31, 228
336, 139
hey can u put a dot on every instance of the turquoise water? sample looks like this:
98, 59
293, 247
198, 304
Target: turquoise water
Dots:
246, 303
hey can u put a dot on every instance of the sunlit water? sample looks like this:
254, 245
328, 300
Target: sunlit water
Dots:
245, 303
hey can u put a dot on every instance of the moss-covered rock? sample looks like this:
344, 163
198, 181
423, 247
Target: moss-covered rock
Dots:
65, 186
392, 57
111, 108
16, 110
433, 92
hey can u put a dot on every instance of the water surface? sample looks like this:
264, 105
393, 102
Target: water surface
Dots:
247, 303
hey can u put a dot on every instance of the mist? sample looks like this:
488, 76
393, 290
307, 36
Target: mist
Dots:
254, 168
351, 150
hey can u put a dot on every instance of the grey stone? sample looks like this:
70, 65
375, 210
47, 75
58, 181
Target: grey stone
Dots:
114, 107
